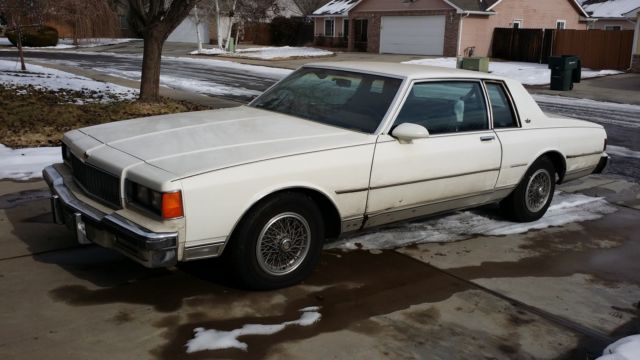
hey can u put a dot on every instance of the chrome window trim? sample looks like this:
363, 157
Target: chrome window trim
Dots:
514, 108
385, 130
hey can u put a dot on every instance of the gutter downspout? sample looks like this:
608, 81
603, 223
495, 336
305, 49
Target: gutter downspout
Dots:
462, 16
634, 47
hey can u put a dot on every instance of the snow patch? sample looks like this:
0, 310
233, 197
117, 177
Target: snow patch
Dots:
588, 103
526, 73
269, 53
27, 163
272, 72
622, 151
337, 7
50, 79
5, 42
565, 208
199, 86
611, 8
627, 348
219, 339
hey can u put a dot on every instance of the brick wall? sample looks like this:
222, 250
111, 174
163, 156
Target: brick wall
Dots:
375, 18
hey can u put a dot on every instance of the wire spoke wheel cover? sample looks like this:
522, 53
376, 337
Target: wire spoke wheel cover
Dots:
538, 190
283, 244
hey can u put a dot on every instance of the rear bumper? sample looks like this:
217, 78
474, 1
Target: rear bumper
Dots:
90, 225
602, 164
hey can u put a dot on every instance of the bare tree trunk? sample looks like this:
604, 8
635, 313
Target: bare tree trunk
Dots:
199, 38
218, 25
231, 16
23, 67
150, 79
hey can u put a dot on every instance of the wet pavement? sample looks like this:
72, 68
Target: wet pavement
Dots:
562, 292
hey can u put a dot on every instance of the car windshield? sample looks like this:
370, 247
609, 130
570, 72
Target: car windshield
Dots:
341, 98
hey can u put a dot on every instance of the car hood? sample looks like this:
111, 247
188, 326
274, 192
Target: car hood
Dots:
190, 143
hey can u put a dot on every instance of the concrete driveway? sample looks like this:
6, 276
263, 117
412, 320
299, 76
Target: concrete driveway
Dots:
562, 292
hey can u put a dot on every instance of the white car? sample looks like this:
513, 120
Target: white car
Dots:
333, 148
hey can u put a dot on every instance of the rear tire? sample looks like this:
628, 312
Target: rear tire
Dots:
278, 243
532, 197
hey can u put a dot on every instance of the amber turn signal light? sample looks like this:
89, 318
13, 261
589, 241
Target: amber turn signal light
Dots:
172, 205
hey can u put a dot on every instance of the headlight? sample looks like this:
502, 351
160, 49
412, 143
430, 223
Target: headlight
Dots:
167, 205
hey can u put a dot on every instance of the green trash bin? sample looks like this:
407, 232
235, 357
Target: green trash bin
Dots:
564, 70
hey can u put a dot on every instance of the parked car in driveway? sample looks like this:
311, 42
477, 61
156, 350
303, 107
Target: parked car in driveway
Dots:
333, 148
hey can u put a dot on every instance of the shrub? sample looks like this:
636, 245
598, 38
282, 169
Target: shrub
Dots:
291, 31
35, 36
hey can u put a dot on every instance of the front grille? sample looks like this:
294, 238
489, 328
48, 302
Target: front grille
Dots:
98, 184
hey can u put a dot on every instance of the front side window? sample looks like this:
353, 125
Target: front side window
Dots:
516, 24
613, 27
334, 97
328, 27
445, 107
561, 24
503, 114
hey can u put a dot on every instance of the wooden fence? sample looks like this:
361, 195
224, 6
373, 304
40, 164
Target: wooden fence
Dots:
597, 49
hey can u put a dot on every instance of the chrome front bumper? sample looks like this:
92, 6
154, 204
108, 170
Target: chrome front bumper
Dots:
89, 225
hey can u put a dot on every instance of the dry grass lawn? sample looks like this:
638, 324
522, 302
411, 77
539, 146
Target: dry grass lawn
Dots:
31, 117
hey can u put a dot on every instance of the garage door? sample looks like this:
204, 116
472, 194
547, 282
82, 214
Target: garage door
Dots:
420, 35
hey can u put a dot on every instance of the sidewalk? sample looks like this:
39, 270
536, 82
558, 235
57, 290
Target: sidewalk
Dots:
623, 88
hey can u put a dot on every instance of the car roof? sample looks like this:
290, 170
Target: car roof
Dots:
409, 71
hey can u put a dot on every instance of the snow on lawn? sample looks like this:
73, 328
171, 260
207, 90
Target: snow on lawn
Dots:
627, 348
269, 53
45, 78
25, 164
218, 339
565, 209
526, 73
5, 42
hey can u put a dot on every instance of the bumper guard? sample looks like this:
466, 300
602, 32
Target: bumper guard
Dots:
89, 225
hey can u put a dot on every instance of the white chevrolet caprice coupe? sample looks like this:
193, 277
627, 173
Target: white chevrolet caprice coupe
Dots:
331, 149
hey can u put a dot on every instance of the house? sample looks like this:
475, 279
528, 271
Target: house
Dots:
186, 31
612, 14
439, 27
331, 23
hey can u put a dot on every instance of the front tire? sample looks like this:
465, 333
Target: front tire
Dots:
532, 197
278, 243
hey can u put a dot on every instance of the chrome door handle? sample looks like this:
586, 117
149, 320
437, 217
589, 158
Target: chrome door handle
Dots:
487, 138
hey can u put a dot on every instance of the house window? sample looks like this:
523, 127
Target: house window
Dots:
345, 28
613, 27
561, 24
328, 27
516, 24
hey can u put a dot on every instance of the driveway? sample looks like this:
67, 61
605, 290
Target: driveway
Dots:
561, 292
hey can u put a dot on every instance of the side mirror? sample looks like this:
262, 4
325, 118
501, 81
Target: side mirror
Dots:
407, 132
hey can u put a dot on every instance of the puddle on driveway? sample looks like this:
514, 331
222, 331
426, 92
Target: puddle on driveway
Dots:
608, 249
348, 287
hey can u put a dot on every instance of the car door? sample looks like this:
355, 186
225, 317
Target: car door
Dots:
457, 165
